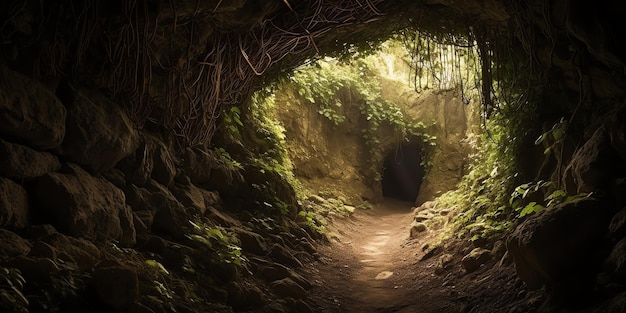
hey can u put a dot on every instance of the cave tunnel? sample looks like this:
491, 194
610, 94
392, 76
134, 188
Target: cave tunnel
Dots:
403, 172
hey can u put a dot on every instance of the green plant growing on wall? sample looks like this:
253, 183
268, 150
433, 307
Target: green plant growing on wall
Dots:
220, 241
553, 136
480, 199
225, 159
332, 85
313, 220
271, 154
552, 198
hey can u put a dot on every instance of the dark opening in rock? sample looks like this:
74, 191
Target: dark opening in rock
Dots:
403, 172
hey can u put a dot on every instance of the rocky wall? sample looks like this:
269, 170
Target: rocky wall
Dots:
97, 214
327, 156
453, 122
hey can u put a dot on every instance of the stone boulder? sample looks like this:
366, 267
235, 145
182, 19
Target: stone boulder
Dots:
137, 167
444, 263
78, 251
592, 166
13, 204
159, 210
172, 220
221, 217
417, 228
23, 162
99, 133
199, 164
473, 260
287, 288
13, 245
164, 169
282, 255
251, 242
204, 167
34, 269
30, 113
81, 205
244, 295
191, 196
560, 244
116, 286
617, 227
139, 199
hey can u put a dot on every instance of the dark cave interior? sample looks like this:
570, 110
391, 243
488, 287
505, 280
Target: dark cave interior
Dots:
403, 172
112, 194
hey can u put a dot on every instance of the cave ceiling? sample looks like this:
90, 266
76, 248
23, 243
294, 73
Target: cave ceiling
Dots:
178, 63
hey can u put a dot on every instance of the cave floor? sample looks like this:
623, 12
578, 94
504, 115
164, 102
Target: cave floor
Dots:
371, 265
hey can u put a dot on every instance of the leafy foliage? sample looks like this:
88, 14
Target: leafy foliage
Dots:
552, 197
332, 85
481, 197
554, 136
220, 241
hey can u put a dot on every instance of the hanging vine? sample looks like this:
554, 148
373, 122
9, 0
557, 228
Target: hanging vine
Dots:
175, 66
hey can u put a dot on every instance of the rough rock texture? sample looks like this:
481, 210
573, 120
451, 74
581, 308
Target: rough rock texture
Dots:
288, 288
245, 295
81, 252
559, 245
330, 157
326, 157
11, 244
198, 164
14, 204
473, 260
23, 162
593, 165
453, 121
138, 166
99, 133
43, 41
417, 228
284, 256
164, 168
85, 206
115, 286
172, 220
191, 196
252, 242
159, 209
29, 113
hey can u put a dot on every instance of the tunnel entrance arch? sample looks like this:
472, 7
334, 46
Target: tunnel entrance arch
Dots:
403, 172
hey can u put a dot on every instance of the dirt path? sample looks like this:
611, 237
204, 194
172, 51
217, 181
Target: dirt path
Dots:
372, 266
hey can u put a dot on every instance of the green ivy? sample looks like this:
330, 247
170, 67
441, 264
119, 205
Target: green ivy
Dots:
330, 85
552, 198
480, 199
219, 240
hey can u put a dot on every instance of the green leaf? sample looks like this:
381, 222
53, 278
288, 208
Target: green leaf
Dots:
558, 131
531, 208
157, 265
539, 140
556, 194
238, 121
